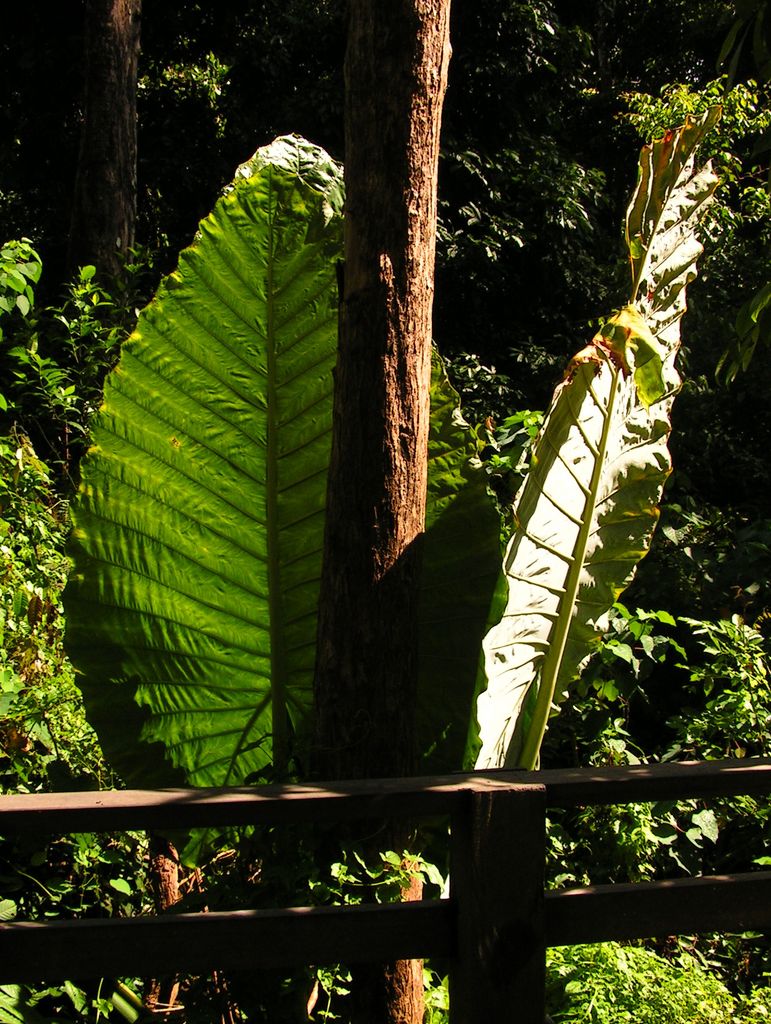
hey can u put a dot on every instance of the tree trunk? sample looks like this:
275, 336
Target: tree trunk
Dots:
396, 74
104, 205
396, 68
161, 996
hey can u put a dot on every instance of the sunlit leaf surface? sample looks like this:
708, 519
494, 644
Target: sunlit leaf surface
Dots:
589, 505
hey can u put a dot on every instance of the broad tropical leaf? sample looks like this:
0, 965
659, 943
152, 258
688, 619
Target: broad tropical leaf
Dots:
588, 507
198, 526
461, 563
199, 522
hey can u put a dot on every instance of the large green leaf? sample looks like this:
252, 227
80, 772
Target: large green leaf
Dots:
588, 507
461, 562
198, 526
199, 522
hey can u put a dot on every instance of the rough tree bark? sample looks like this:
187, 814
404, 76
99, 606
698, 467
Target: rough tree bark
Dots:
396, 75
161, 994
104, 204
396, 69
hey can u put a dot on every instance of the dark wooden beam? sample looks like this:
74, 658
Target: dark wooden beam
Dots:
378, 798
186, 808
236, 940
600, 913
643, 783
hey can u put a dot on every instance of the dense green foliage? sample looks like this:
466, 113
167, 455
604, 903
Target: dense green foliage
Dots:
36, 679
610, 984
46, 743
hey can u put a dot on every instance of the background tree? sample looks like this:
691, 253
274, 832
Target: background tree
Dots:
104, 206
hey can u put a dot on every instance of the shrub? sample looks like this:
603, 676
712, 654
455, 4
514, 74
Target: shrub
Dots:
610, 984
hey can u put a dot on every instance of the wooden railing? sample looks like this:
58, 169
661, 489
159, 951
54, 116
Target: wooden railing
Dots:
494, 928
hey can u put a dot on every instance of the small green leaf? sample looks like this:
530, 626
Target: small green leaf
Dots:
623, 651
706, 822
609, 690
647, 643
77, 996
8, 910
434, 875
15, 1007
121, 885
15, 280
694, 835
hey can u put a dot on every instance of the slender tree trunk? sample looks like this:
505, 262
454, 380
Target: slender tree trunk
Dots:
396, 68
162, 993
396, 74
104, 206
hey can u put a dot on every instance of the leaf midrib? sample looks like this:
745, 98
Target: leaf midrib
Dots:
554, 656
275, 604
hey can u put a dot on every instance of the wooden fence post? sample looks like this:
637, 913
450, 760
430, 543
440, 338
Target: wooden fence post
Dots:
496, 879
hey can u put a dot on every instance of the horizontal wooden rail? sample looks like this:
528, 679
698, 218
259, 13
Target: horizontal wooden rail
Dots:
647, 783
248, 940
345, 801
243, 940
642, 910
